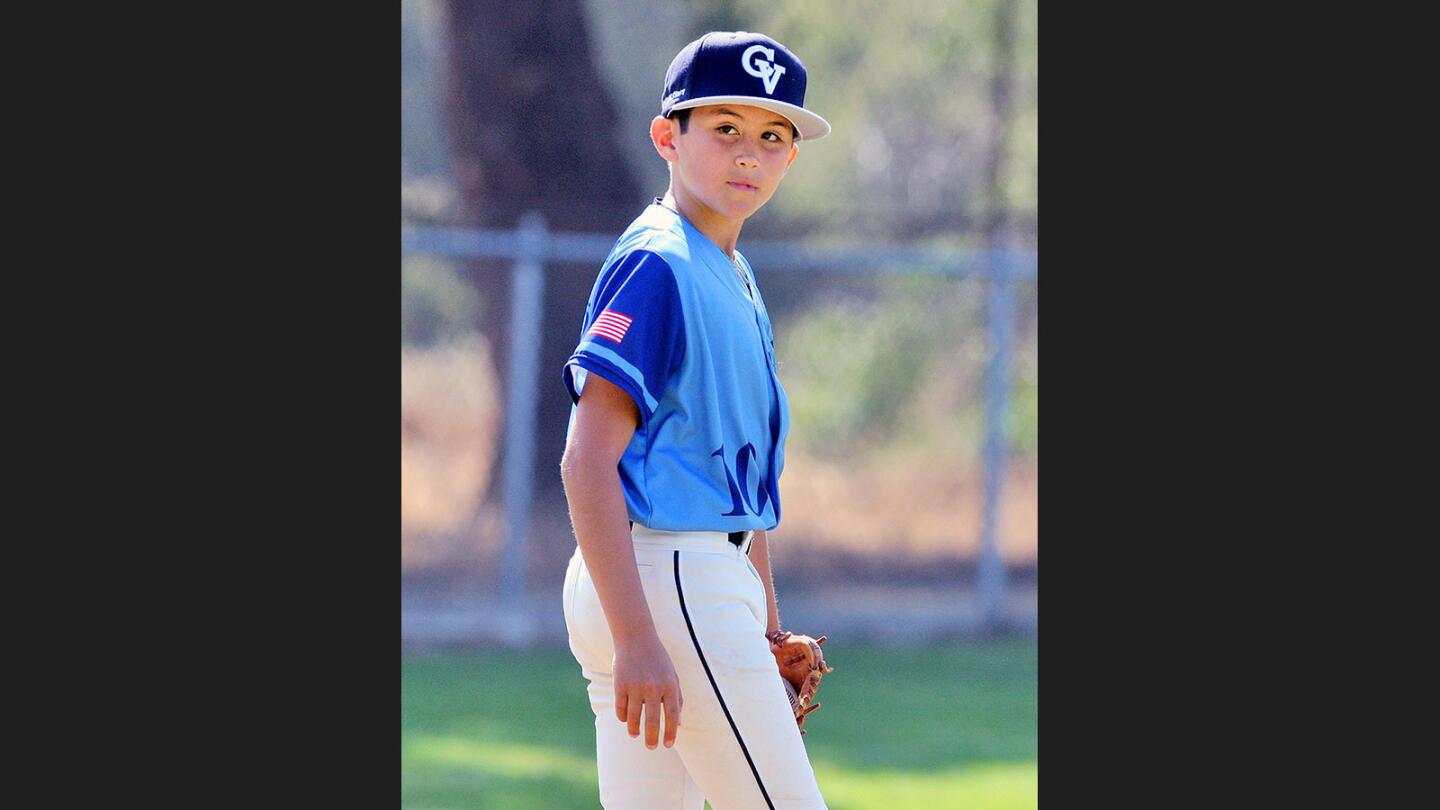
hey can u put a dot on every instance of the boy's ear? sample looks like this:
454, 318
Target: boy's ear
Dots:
794, 150
663, 132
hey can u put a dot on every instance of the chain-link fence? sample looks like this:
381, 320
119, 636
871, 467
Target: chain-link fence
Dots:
911, 475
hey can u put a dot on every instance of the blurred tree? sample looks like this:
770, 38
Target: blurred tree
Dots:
532, 129
427, 192
1002, 77
911, 89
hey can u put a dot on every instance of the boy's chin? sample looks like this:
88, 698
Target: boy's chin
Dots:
740, 211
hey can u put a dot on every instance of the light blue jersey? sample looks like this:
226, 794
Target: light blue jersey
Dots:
671, 322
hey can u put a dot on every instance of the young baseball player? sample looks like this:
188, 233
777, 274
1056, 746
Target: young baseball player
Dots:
673, 459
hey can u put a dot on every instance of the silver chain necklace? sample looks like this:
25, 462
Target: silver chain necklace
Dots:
739, 271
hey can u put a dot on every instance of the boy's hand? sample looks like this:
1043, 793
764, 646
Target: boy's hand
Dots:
645, 679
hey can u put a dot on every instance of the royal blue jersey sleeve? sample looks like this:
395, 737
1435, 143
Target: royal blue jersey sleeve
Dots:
634, 331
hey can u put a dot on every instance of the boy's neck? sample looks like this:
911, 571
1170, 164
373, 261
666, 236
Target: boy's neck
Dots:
723, 232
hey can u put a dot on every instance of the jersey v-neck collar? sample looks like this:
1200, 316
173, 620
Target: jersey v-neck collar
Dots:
711, 254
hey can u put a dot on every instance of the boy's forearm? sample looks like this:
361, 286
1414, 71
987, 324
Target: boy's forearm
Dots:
760, 556
602, 529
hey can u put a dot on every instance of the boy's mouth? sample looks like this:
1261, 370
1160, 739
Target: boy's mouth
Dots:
742, 185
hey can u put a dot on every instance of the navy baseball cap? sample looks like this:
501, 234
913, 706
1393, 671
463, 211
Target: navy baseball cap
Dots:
739, 67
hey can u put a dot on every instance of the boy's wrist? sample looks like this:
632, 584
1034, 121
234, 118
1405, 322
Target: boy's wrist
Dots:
636, 636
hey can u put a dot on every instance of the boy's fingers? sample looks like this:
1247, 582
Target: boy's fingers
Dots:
672, 719
652, 722
633, 717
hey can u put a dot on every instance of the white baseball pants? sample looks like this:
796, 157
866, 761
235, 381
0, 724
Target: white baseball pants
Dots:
737, 746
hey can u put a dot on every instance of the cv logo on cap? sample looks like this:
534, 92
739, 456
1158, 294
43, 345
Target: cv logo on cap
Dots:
760, 69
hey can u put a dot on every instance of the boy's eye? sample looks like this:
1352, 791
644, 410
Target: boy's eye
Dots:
770, 135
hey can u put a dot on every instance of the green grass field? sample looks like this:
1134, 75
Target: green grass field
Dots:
900, 728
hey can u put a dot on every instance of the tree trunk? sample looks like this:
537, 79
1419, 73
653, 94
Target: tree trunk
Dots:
532, 128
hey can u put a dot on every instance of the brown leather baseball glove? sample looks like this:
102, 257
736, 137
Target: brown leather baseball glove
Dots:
801, 664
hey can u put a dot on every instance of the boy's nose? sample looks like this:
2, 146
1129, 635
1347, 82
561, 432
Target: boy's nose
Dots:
746, 161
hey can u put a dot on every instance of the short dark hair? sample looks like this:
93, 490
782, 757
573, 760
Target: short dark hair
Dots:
683, 116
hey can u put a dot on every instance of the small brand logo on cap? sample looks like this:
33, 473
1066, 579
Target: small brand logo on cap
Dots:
675, 96
760, 69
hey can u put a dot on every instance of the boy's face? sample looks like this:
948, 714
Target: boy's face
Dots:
731, 157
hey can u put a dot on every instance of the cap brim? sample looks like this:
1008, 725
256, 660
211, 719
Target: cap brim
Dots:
811, 126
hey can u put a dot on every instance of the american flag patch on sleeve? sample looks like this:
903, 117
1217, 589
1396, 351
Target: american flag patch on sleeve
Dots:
610, 325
